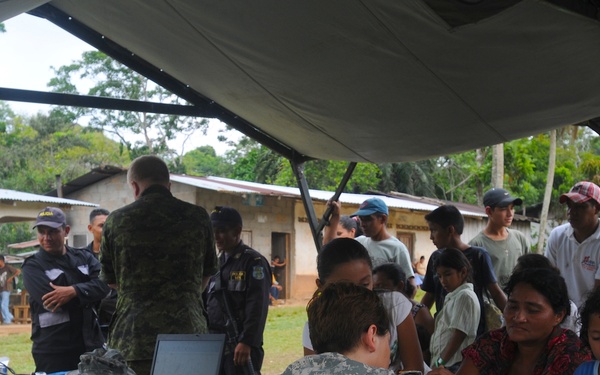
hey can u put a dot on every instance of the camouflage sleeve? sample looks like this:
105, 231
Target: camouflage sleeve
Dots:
107, 273
257, 300
211, 262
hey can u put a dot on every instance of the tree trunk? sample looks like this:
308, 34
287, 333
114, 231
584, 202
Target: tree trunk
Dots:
547, 193
498, 166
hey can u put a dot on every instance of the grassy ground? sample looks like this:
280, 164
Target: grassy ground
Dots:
283, 341
283, 337
17, 348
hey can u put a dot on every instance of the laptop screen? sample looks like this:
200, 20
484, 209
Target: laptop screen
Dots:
187, 354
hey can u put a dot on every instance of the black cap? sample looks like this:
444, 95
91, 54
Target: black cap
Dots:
496, 197
51, 217
223, 216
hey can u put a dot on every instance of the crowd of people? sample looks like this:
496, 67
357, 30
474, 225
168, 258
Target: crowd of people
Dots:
152, 269
535, 297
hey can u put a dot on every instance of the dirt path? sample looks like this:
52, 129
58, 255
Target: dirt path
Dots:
13, 329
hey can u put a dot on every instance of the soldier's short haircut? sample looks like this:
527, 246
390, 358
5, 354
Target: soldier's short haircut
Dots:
98, 212
150, 169
1, 257
339, 314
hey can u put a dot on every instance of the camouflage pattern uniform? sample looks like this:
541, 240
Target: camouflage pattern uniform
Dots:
157, 250
332, 363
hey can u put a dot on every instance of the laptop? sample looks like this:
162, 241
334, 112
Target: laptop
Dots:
188, 354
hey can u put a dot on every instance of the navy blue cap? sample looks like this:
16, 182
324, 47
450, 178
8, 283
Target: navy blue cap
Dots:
496, 197
223, 216
51, 217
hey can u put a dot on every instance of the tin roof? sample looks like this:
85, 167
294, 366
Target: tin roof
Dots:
19, 196
243, 187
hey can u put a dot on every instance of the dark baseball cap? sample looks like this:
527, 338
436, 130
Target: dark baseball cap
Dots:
51, 217
223, 216
371, 206
496, 197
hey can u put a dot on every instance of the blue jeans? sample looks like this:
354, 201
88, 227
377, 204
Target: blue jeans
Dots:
7, 317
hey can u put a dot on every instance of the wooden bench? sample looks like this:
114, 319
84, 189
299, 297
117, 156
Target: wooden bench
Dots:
21, 312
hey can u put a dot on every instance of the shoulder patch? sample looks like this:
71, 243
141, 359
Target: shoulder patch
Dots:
258, 272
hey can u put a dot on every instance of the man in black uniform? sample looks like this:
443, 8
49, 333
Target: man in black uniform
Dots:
107, 306
243, 284
97, 218
63, 285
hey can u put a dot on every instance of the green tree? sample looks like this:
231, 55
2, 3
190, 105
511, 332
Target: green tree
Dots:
254, 162
204, 161
14, 233
109, 78
463, 177
413, 178
29, 160
327, 175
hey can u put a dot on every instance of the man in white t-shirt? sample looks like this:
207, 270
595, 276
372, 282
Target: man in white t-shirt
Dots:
575, 247
382, 247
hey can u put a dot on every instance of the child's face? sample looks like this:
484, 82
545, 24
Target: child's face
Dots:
451, 278
594, 334
382, 281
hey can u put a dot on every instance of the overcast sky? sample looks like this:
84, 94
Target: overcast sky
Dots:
31, 45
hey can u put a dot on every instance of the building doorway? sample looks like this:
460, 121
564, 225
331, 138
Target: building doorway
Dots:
408, 239
280, 248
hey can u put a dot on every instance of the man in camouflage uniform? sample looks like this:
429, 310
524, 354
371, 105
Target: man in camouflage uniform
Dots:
159, 253
244, 282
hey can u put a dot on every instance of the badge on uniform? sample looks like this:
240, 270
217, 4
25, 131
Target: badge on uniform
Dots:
258, 272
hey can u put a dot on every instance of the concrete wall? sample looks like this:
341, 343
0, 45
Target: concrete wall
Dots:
274, 215
262, 217
110, 193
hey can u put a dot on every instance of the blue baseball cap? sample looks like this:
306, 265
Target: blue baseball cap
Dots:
371, 206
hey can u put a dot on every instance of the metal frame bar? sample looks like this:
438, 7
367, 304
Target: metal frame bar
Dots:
99, 102
316, 227
298, 169
202, 106
131, 60
336, 196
